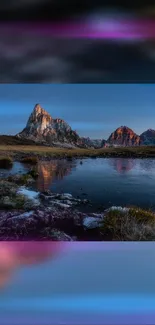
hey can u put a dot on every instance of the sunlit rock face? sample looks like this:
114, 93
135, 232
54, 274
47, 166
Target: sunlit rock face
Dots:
41, 127
148, 137
124, 136
39, 120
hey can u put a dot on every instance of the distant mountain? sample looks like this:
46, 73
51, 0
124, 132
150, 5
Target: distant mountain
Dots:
148, 137
42, 129
124, 136
93, 143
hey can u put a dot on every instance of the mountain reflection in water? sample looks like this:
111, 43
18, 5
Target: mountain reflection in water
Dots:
122, 165
16, 254
103, 181
51, 171
57, 169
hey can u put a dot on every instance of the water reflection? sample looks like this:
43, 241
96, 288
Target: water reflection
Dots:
53, 170
122, 165
14, 255
94, 177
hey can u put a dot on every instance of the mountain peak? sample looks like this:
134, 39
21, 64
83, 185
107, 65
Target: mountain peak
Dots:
148, 137
39, 110
124, 136
151, 130
124, 128
37, 107
41, 127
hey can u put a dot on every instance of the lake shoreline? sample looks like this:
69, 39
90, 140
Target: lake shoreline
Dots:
31, 210
29, 215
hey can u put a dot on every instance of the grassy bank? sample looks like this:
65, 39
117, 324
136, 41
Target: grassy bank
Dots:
42, 151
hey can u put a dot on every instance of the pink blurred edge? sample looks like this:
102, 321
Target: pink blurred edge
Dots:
26, 248
56, 247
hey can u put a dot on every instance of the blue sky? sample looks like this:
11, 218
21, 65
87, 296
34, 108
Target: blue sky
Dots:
93, 110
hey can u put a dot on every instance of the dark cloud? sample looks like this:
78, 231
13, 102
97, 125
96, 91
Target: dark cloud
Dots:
28, 58
38, 58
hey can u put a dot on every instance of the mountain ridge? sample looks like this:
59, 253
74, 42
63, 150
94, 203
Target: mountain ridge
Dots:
41, 128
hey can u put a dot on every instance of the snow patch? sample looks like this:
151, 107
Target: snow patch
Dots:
23, 215
121, 209
58, 203
91, 222
30, 194
67, 195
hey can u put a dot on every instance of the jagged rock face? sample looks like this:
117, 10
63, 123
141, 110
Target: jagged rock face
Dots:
96, 143
148, 137
124, 136
41, 127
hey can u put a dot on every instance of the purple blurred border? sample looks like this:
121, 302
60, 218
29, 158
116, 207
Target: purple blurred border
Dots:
112, 29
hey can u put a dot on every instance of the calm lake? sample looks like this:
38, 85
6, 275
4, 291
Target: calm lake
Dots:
105, 182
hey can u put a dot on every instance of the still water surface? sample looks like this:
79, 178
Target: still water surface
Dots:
105, 182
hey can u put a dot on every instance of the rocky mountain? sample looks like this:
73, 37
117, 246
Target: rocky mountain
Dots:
93, 143
124, 136
42, 128
148, 137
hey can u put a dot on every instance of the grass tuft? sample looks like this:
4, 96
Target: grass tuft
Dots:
30, 160
133, 225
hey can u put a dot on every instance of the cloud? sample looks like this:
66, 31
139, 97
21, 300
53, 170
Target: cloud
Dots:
35, 58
